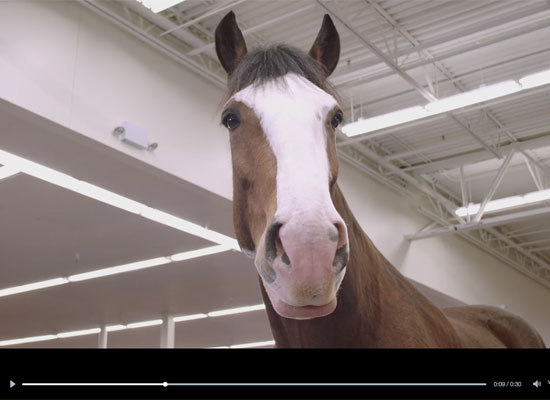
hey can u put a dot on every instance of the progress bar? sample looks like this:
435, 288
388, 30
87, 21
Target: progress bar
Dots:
243, 384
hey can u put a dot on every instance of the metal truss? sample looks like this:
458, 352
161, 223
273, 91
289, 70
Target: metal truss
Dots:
439, 207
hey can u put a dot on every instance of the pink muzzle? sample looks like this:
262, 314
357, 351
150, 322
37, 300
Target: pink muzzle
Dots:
303, 264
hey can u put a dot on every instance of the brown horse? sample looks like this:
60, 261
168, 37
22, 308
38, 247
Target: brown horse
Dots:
323, 281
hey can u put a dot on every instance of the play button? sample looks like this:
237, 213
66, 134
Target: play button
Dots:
12, 384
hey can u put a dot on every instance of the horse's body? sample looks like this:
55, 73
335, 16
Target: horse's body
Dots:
323, 281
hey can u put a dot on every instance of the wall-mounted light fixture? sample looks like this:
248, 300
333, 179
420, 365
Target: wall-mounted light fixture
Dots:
134, 135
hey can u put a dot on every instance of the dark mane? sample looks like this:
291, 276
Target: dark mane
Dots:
264, 64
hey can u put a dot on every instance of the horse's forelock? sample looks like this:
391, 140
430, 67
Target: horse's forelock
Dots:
266, 64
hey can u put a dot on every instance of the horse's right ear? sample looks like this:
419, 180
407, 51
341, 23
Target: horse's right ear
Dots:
230, 44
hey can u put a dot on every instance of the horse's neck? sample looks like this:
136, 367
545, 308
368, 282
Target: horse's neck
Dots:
377, 306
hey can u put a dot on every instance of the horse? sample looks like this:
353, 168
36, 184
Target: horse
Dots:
324, 283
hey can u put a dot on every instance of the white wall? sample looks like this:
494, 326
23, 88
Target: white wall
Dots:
62, 61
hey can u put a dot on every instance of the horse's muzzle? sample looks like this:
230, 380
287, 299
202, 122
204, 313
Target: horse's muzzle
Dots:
303, 264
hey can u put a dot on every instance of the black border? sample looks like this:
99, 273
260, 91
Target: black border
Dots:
280, 365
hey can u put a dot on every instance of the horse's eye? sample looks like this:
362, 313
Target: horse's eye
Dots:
336, 120
231, 121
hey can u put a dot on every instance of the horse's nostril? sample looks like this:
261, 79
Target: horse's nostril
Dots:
272, 242
285, 258
341, 258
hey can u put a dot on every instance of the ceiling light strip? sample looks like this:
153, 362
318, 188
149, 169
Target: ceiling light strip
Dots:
505, 203
142, 324
33, 286
83, 332
16, 163
6, 172
238, 310
253, 344
461, 100
191, 317
157, 6
154, 262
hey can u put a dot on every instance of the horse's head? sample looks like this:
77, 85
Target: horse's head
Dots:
282, 119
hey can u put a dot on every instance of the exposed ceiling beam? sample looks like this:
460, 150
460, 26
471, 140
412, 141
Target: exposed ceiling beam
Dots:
478, 42
245, 32
485, 223
478, 155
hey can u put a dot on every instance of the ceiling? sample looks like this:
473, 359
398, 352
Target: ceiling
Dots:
392, 53
54, 232
401, 53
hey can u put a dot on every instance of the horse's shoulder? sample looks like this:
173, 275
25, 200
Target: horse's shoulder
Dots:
509, 329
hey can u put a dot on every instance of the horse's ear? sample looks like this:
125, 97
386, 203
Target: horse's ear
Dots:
230, 44
326, 48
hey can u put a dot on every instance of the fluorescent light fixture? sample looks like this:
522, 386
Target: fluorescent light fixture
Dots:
6, 172
79, 333
534, 80
108, 197
154, 262
471, 97
189, 227
384, 121
27, 340
253, 344
237, 310
484, 93
114, 328
159, 5
506, 202
33, 286
119, 269
20, 164
190, 317
186, 255
145, 324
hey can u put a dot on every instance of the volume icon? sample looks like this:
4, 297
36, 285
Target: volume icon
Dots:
536, 384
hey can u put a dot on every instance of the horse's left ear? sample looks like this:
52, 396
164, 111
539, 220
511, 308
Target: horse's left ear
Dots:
326, 48
230, 44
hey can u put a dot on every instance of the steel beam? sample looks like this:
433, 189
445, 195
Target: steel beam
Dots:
163, 23
476, 156
201, 17
542, 275
387, 60
535, 128
494, 185
474, 225
253, 29
344, 80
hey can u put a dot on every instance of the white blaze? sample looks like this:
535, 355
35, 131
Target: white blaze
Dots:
292, 112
